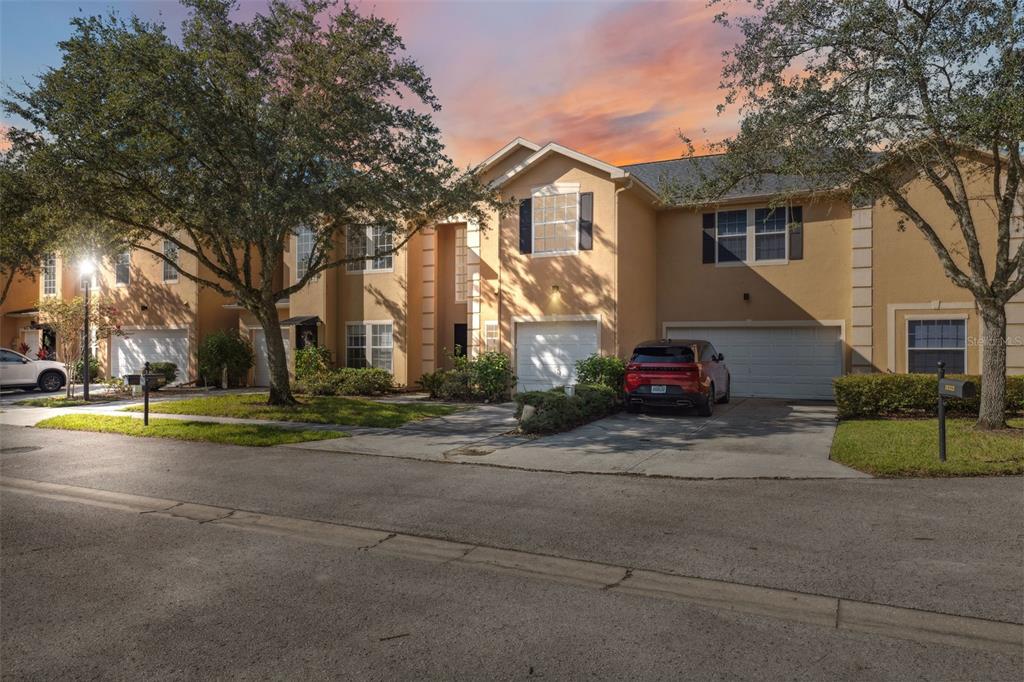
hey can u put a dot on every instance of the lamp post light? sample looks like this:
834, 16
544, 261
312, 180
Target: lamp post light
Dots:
86, 268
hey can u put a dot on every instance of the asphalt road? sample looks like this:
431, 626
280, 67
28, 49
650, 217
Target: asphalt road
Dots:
90, 591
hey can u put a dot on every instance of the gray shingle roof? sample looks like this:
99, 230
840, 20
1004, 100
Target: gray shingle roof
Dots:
656, 174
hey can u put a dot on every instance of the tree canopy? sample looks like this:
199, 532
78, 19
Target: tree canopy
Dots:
228, 143
857, 95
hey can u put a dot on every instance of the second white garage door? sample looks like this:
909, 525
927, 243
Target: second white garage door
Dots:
776, 362
128, 354
546, 352
261, 373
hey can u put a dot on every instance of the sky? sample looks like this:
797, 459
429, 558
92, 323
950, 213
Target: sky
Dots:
615, 79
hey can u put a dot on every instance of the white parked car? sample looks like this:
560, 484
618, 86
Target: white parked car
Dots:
18, 371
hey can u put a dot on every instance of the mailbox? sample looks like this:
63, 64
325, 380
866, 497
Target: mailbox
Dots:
954, 388
151, 381
133, 379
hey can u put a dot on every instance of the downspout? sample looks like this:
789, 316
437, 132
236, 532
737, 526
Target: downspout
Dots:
615, 270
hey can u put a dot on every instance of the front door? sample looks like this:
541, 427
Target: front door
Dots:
461, 339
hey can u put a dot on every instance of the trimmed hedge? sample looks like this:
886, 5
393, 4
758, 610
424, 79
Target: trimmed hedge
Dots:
905, 395
556, 411
347, 381
606, 370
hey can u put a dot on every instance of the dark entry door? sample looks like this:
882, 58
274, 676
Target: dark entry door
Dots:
461, 339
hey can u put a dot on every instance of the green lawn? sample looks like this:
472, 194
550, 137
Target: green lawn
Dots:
311, 409
909, 447
179, 429
61, 401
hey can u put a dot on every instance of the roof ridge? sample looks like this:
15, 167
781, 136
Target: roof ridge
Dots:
678, 158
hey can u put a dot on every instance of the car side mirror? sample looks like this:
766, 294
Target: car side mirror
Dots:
719, 357
24, 361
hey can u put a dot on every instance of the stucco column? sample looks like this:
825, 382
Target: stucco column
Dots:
429, 337
473, 331
861, 327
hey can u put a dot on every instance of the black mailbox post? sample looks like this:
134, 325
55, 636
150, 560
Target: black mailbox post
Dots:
949, 388
145, 380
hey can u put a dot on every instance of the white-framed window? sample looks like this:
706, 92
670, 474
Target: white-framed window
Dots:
731, 233
369, 344
770, 242
460, 264
754, 236
123, 268
372, 246
171, 254
491, 336
556, 220
932, 340
50, 274
303, 250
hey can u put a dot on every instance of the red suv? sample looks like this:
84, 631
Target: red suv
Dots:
677, 372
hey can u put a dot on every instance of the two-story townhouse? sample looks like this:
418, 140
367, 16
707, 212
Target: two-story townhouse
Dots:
792, 296
163, 313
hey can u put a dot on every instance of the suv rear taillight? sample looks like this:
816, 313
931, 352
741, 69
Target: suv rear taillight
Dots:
632, 378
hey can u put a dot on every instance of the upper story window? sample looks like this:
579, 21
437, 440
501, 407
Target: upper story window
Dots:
732, 236
50, 274
122, 268
373, 245
556, 221
171, 254
754, 236
932, 341
770, 234
460, 264
303, 251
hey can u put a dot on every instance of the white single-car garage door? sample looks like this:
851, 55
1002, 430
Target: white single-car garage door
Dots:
546, 352
130, 353
775, 362
261, 375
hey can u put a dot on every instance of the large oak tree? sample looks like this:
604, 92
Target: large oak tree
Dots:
228, 142
863, 94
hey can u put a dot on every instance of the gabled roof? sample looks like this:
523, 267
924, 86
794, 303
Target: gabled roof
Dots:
554, 148
518, 143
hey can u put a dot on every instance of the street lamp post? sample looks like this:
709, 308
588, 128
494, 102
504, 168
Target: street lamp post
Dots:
86, 268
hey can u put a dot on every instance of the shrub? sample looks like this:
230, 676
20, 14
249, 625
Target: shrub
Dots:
556, 411
899, 395
487, 378
94, 370
311, 360
604, 370
168, 372
222, 349
347, 381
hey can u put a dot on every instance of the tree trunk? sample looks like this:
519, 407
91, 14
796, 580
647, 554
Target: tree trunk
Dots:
992, 414
280, 389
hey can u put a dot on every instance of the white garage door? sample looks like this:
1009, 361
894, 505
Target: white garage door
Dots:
776, 362
130, 353
546, 352
261, 376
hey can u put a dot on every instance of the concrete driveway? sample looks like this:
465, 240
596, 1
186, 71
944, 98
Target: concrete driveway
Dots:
749, 438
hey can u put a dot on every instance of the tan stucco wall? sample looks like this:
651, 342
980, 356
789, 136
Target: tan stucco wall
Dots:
637, 273
584, 280
23, 294
815, 288
908, 277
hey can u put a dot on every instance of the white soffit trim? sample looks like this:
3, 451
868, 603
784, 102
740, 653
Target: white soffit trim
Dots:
505, 151
553, 148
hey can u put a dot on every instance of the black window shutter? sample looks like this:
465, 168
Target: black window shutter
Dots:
526, 226
709, 237
795, 222
586, 221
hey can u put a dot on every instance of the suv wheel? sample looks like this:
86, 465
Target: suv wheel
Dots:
728, 391
50, 382
708, 408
